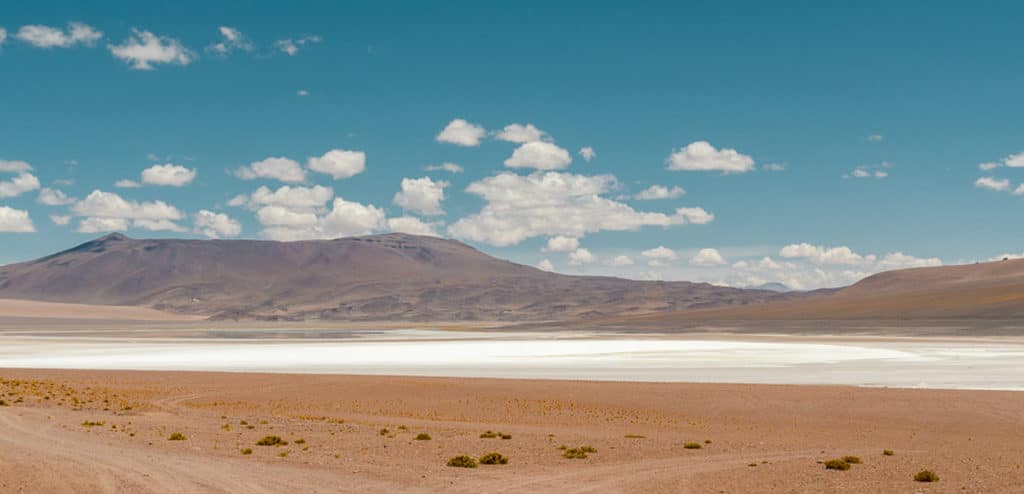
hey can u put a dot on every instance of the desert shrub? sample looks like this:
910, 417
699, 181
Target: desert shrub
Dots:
888, 452
243, 422
462, 461
489, 435
853, 460
423, 436
505, 436
246, 451
403, 428
89, 423
578, 453
707, 441
271, 441
836, 464
300, 441
635, 436
494, 459
176, 436
692, 446
926, 476
383, 431
283, 454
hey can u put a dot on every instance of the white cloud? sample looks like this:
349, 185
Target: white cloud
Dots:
552, 203
168, 174
98, 225
824, 255
20, 184
660, 252
702, 156
216, 225
545, 265
989, 166
107, 211
421, 195
876, 138
899, 260
302, 92
774, 167
539, 155
462, 133
339, 163
52, 37
580, 257
15, 221
54, 197
1019, 191
144, 49
707, 257
993, 184
127, 184
291, 46
560, 243
279, 168
232, 40
520, 134
59, 219
7, 166
870, 171
1014, 160
343, 219
412, 226
587, 153
655, 192
308, 199
447, 167
620, 260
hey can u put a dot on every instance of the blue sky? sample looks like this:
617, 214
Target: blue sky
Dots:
895, 130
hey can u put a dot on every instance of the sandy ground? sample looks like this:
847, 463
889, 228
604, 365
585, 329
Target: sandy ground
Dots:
28, 309
762, 438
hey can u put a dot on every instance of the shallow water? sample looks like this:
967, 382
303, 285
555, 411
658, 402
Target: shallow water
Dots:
920, 363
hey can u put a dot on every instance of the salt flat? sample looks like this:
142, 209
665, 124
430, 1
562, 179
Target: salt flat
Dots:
919, 363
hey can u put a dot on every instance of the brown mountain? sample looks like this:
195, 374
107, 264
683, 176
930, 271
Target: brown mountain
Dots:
380, 277
983, 291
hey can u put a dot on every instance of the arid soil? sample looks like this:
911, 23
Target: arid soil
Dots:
75, 431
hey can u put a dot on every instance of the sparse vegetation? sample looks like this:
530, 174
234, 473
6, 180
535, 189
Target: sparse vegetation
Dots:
89, 423
384, 431
176, 436
283, 454
635, 436
579, 453
271, 441
246, 451
423, 436
926, 476
300, 441
888, 452
693, 446
853, 460
489, 435
494, 458
837, 464
462, 461
403, 428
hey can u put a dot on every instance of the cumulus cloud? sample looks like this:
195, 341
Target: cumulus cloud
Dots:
655, 192
581, 256
168, 174
52, 37
462, 133
587, 153
421, 195
702, 156
15, 221
291, 46
7, 166
870, 171
343, 219
545, 265
143, 49
552, 203
445, 167
1011, 161
127, 184
540, 156
560, 243
276, 168
993, 184
520, 134
23, 182
824, 255
660, 253
620, 260
989, 166
216, 225
308, 199
412, 226
60, 219
339, 163
54, 197
231, 40
774, 167
707, 257
107, 211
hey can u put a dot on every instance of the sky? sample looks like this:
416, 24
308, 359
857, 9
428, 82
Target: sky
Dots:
809, 144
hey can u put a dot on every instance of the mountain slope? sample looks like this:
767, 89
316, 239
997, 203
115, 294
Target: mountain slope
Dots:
382, 277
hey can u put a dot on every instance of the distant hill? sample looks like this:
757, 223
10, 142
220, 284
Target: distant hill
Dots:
773, 287
991, 290
380, 277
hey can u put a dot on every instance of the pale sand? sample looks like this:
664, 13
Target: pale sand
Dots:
970, 438
29, 309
